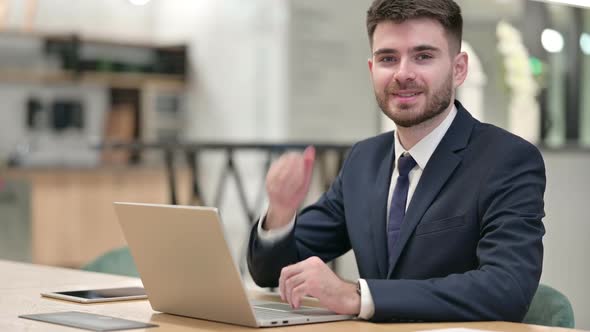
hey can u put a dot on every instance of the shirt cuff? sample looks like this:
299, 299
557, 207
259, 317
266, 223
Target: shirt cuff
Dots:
367, 304
272, 236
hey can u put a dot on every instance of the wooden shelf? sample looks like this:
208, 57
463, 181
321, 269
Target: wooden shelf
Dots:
65, 36
116, 80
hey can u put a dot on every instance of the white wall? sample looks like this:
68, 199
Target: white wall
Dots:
567, 245
238, 69
330, 96
104, 18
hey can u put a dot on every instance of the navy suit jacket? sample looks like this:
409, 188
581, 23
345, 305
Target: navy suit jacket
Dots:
470, 247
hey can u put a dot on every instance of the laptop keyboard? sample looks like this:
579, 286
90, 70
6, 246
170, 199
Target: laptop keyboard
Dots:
278, 306
262, 313
282, 310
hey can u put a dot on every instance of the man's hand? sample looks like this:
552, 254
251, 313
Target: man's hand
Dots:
312, 277
287, 184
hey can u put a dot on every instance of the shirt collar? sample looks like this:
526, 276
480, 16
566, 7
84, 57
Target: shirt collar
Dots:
423, 150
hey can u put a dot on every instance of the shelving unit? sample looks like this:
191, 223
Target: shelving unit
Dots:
71, 220
149, 79
75, 55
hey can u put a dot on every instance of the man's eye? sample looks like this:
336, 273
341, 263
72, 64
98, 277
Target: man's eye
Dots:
387, 59
422, 57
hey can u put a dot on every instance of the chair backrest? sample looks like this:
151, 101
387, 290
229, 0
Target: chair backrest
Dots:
117, 261
550, 308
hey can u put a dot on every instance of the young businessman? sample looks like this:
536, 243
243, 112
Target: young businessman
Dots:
443, 215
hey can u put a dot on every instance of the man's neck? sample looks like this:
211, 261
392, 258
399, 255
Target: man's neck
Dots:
410, 136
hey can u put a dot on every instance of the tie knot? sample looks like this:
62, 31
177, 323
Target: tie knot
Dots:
405, 164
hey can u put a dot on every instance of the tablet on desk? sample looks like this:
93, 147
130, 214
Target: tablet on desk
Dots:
100, 295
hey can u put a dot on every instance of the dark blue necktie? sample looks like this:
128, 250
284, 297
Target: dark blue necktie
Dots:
397, 210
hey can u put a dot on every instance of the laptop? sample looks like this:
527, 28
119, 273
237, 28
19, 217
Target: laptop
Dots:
186, 267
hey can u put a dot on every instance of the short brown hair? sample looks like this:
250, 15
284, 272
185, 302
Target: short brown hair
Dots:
446, 12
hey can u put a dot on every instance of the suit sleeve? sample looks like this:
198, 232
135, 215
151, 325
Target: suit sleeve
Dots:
509, 252
320, 230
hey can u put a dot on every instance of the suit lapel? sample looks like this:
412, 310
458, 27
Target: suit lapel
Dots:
439, 169
378, 210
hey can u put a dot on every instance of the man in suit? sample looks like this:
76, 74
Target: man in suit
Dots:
443, 215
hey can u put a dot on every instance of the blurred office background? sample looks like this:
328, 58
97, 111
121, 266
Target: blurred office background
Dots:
76, 76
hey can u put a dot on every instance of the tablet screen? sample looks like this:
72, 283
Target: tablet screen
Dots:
105, 293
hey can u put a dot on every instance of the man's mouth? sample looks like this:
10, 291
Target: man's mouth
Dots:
406, 97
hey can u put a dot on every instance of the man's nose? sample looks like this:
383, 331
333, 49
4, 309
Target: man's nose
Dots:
405, 71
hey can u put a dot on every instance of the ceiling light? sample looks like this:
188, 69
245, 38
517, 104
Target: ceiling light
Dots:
585, 43
552, 41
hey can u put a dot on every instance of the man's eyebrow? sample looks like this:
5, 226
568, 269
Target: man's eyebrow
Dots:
422, 48
416, 49
385, 51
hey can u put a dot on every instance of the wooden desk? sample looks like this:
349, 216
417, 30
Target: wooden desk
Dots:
20, 285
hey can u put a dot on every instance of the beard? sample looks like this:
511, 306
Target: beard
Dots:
406, 115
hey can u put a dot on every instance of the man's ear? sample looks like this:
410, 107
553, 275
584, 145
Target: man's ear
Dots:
460, 68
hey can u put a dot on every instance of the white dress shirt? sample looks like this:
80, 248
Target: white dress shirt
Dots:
421, 152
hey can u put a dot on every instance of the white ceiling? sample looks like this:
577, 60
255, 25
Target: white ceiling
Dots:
579, 3
491, 10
